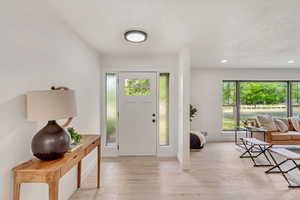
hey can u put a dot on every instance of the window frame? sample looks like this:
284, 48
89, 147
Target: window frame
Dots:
237, 104
291, 97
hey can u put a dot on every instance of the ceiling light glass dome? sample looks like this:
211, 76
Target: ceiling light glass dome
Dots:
135, 36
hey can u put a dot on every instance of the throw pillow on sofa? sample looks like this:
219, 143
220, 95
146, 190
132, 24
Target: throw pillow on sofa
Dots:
296, 123
281, 126
266, 122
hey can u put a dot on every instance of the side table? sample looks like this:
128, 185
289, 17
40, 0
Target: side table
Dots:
248, 131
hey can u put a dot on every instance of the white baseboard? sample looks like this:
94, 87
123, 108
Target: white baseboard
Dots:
110, 152
221, 137
163, 152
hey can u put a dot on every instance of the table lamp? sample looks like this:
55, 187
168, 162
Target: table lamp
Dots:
52, 141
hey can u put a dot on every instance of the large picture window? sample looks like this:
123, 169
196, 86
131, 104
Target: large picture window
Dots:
244, 100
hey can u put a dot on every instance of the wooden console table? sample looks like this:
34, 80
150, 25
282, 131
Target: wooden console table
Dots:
37, 171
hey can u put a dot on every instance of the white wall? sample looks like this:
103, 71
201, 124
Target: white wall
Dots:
140, 62
156, 63
206, 94
37, 51
184, 67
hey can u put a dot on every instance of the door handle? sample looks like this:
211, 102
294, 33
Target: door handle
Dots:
153, 120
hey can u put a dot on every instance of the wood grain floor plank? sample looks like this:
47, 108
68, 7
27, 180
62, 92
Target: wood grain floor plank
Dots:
217, 173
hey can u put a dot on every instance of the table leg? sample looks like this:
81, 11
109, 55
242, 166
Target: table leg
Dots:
53, 190
235, 137
17, 187
98, 165
251, 136
78, 175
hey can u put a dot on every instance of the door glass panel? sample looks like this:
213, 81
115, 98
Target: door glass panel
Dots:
137, 83
137, 87
164, 109
111, 108
137, 91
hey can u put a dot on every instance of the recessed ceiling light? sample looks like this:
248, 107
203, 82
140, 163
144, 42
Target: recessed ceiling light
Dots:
135, 36
224, 61
291, 61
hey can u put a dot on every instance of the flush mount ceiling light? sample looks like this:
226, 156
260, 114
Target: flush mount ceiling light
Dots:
224, 61
135, 36
291, 61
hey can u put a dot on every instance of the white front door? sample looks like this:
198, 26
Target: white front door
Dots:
137, 113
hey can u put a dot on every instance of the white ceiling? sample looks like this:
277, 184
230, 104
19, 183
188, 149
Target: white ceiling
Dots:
248, 33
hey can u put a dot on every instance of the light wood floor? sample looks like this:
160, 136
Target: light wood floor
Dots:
217, 173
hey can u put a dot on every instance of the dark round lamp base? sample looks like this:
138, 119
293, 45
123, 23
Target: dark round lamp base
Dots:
51, 142
48, 157
195, 142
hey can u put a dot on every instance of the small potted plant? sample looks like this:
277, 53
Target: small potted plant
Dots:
75, 136
245, 123
193, 112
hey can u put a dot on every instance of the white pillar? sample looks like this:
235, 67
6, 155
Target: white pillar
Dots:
184, 76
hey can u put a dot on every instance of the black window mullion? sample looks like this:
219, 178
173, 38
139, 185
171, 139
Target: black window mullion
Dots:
237, 102
289, 99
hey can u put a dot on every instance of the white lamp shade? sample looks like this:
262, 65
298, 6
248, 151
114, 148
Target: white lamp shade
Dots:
51, 105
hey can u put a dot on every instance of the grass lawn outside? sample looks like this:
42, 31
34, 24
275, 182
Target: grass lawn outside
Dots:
250, 112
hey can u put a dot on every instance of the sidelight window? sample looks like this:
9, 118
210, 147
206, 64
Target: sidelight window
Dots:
164, 104
111, 108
